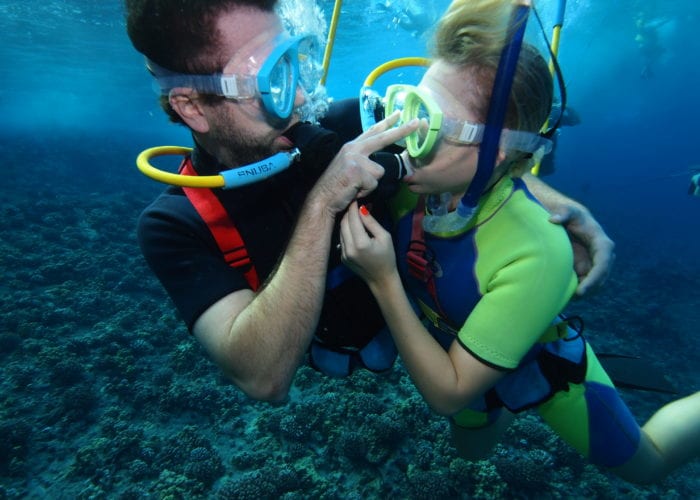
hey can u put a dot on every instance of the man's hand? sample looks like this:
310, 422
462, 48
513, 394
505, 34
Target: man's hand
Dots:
594, 251
352, 174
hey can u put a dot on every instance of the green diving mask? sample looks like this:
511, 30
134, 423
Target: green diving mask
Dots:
414, 102
275, 83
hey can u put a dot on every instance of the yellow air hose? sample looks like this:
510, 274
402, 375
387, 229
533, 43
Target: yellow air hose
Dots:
554, 47
144, 165
331, 40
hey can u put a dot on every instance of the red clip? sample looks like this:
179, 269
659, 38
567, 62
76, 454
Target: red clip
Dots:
417, 263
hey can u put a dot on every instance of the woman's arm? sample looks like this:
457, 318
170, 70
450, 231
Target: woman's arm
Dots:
448, 381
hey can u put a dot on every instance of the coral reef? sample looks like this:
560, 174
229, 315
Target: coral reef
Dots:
106, 395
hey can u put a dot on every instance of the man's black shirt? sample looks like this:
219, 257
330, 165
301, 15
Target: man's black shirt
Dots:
183, 254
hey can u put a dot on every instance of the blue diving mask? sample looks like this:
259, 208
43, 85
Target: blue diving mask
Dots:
288, 65
414, 102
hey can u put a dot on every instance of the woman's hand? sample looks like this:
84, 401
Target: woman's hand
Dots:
366, 247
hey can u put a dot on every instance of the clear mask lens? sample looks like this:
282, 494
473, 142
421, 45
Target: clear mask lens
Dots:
421, 134
396, 103
310, 67
399, 101
282, 84
278, 78
414, 103
290, 64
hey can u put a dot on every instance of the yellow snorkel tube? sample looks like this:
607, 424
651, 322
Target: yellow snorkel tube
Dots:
393, 64
554, 48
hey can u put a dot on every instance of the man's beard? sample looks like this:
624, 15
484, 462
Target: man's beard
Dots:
242, 152
240, 149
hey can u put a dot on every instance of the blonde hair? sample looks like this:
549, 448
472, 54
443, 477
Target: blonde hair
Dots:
471, 35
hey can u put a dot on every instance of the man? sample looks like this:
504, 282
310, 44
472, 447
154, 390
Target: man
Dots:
259, 336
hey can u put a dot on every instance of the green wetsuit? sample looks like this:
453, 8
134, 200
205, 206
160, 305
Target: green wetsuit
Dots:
497, 289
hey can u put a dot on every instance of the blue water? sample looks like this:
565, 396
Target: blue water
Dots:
104, 392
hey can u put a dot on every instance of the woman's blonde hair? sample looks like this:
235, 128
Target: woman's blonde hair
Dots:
471, 35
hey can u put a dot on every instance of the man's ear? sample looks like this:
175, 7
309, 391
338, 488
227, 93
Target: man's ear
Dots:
185, 102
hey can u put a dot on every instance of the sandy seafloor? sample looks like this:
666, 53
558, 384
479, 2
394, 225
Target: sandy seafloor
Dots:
103, 392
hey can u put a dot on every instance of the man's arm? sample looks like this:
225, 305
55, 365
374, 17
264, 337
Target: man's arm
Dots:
260, 339
594, 251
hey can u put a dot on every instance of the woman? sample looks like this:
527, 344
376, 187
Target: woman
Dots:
492, 283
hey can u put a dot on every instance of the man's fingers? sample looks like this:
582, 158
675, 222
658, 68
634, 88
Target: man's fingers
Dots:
592, 280
384, 133
352, 174
599, 269
561, 216
382, 125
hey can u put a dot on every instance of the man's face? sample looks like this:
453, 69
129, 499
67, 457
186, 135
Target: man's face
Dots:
241, 132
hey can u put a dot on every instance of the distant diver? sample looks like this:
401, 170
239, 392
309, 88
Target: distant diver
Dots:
569, 118
694, 188
408, 15
647, 39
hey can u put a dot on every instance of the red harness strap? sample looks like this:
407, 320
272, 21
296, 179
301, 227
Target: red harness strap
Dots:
415, 257
221, 226
418, 256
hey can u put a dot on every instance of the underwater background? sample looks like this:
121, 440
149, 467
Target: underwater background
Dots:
104, 394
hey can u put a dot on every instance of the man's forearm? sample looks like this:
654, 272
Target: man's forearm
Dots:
266, 339
281, 320
547, 195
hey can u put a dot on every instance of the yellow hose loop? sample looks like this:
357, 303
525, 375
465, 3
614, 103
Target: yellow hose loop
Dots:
144, 165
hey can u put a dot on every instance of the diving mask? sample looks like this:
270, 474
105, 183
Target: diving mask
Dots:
288, 64
414, 102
